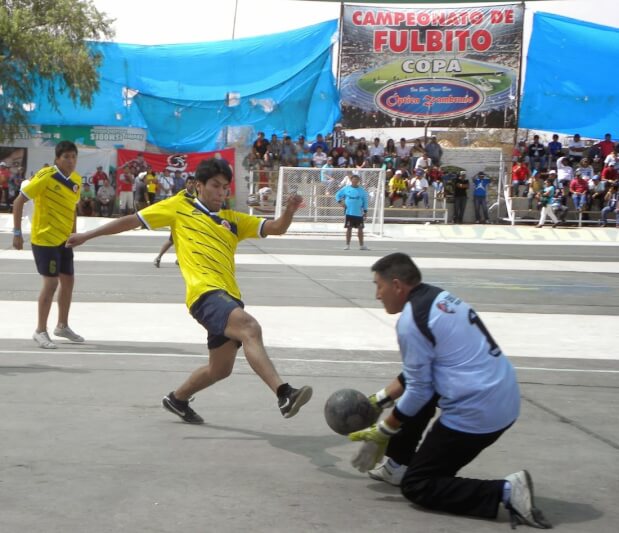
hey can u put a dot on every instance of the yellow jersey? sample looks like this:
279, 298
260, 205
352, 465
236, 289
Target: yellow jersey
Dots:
205, 242
56, 197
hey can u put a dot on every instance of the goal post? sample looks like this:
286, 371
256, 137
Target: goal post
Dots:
319, 212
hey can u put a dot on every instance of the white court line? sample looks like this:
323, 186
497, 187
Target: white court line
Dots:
361, 329
362, 261
287, 359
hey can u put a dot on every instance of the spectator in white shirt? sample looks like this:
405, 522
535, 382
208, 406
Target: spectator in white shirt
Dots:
377, 153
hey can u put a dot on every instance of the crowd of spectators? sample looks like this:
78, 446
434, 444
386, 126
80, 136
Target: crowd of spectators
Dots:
413, 167
557, 178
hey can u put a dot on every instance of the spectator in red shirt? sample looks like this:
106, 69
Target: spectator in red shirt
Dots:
98, 177
124, 185
579, 189
520, 175
606, 146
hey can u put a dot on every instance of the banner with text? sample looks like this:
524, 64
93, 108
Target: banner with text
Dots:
185, 163
445, 67
89, 136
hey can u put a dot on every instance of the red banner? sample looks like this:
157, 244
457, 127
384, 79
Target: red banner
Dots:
186, 163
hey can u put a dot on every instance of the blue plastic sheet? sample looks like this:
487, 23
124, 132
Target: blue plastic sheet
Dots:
182, 93
571, 83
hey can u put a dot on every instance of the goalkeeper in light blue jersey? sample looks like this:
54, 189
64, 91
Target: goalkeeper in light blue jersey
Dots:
450, 361
354, 198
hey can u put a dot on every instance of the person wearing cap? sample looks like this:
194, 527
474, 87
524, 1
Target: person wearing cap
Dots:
597, 192
461, 187
418, 190
354, 198
579, 188
338, 137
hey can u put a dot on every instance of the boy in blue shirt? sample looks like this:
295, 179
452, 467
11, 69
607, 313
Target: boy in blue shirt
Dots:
355, 200
480, 202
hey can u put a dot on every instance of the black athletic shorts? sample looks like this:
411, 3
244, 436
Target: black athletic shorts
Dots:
353, 222
212, 311
53, 260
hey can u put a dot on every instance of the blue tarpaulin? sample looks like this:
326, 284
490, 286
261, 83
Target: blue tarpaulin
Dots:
571, 80
185, 95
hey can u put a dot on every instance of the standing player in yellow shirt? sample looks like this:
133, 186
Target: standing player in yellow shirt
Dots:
206, 236
56, 191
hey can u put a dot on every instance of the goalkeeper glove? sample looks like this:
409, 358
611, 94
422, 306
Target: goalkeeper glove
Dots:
380, 400
375, 440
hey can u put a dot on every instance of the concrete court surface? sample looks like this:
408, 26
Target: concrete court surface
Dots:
86, 446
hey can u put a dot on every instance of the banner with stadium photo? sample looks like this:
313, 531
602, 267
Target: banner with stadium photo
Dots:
446, 67
186, 163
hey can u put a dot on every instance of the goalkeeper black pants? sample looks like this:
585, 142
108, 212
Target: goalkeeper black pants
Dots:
430, 480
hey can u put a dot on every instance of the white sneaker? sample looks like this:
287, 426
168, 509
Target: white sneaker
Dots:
521, 507
68, 333
347, 247
364, 247
389, 473
43, 340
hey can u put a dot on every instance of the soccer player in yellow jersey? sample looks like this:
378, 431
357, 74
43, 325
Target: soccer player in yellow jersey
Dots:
206, 236
56, 191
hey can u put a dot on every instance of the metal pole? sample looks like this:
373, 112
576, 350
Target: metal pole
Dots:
236, 7
519, 80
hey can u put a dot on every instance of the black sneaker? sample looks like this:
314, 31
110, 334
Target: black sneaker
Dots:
181, 409
290, 404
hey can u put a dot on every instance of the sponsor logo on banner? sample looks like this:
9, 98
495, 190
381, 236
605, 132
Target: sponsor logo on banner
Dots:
418, 99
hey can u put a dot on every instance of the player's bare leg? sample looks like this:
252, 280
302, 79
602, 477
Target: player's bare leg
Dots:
164, 248
220, 365
65, 295
245, 328
348, 237
46, 297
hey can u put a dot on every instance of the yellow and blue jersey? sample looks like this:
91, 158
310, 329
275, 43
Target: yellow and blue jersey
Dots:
56, 197
205, 242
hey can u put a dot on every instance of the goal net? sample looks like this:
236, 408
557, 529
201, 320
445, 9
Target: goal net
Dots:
319, 212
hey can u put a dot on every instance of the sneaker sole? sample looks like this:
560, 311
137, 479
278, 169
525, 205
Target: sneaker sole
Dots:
539, 520
169, 407
70, 339
80, 339
304, 397
380, 478
51, 346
